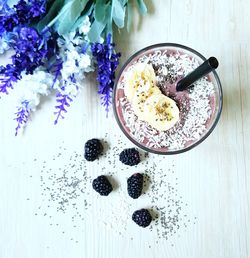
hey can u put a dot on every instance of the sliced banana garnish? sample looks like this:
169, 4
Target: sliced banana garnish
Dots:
148, 103
140, 97
161, 112
140, 75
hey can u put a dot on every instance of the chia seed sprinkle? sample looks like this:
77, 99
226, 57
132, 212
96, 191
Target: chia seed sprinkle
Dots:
66, 192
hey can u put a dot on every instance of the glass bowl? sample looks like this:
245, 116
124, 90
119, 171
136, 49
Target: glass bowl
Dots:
199, 119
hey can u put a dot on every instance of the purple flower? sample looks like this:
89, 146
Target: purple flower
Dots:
22, 115
4, 6
63, 100
22, 13
37, 8
28, 10
32, 49
8, 23
8, 75
67, 91
55, 69
107, 62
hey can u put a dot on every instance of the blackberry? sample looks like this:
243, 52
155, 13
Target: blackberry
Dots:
135, 185
130, 157
102, 185
142, 218
93, 148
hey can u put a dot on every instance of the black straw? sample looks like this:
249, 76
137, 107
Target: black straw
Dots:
205, 68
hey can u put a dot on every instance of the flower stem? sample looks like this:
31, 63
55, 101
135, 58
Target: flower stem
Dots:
54, 20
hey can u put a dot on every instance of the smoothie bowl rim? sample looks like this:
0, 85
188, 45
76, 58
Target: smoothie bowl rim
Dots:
169, 152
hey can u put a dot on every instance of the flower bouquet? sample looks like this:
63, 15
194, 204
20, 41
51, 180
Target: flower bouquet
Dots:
55, 43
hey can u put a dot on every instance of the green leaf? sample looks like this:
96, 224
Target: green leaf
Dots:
83, 17
96, 30
78, 22
118, 13
129, 15
142, 7
109, 19
124, 2
53, 11
100, 10
102, 28
69, 14
67, 1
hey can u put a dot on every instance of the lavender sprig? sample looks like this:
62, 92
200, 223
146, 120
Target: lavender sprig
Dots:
21, 13
22, 115
107, 62
5, 84
8, 75
32, 49
56, 70
63, 100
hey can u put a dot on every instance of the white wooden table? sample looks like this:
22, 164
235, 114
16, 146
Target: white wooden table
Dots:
213, 180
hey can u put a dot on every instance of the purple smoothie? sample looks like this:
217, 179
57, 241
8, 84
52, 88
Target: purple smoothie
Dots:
199, 106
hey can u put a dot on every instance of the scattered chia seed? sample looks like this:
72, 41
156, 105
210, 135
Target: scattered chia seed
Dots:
66, 192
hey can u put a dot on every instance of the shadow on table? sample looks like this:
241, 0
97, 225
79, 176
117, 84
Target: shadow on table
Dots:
113, 182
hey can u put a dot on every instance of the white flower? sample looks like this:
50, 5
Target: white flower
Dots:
71, 35
84, 61
32, 98
42, 89
71, 89
79, 77
78, 40
69, 67
68, 38
39, 82
4, 46
73, 54
68, 87
85, 26
60, 42
35, 85
75, 63
70, 42
43, 83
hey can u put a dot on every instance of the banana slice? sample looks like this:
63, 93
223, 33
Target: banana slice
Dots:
140, 97
161, 112
139, 75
